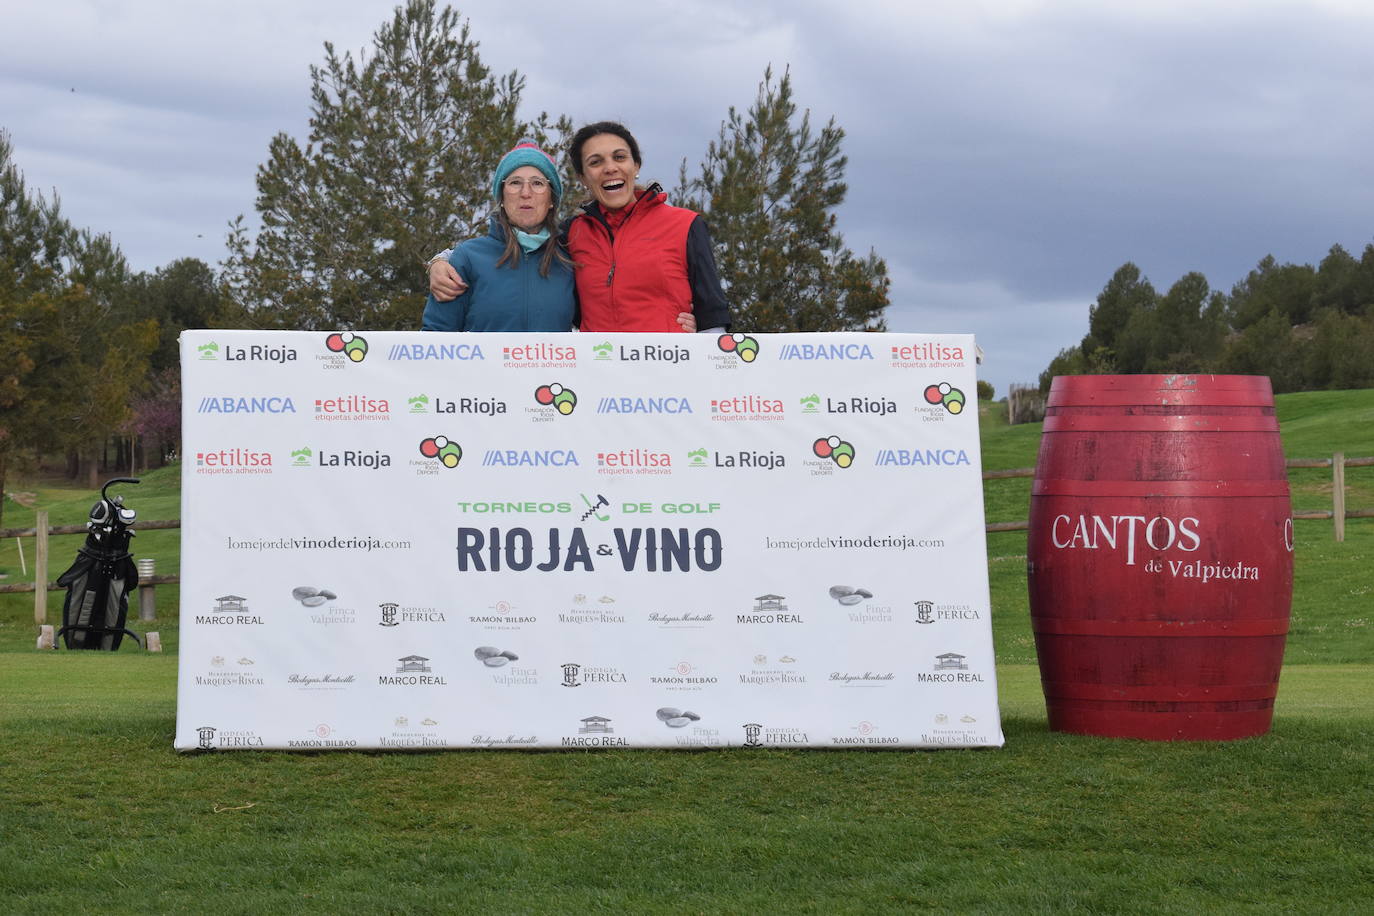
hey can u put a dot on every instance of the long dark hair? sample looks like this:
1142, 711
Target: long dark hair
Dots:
553, 251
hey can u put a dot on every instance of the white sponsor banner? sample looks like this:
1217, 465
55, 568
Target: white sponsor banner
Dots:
411, 540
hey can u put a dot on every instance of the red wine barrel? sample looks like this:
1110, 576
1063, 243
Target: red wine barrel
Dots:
1160, 556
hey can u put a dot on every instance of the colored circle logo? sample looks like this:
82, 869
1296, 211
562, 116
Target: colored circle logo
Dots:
742, 345
349, 344
951, 398
448, 453
556, 396
834, 448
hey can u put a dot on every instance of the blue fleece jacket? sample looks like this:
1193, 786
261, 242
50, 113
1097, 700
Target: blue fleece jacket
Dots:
506, 298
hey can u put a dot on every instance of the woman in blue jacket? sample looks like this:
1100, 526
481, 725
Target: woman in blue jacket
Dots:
518, 276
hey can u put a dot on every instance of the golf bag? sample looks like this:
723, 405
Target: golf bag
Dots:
99, 582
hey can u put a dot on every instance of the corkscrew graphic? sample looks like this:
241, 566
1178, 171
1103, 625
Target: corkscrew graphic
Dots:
593, 506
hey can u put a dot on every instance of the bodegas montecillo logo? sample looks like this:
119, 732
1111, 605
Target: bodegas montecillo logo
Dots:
742, 345
556, 396
835, 449
350, 345
442, 449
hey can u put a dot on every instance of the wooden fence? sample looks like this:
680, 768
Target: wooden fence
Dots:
41, 530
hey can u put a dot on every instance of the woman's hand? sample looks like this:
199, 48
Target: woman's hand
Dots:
688, 321
445, 283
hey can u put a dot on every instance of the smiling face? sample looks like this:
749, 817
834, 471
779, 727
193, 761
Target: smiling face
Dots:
525, 207
609, 170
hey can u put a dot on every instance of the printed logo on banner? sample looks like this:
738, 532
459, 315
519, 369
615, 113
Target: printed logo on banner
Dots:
862, 678
688, 730
318, 601
929, 458
322, 736
412, 671
949, 668
684, 677
741, 348
233, 461
873, 407
628, 405
825, 352
212, 738
530, 458
757, 735
634, 462
438, 452
652, 353
505, 740
747, 407
393, 615
673, 717
781, 672
539, 356
594, 731
230, 611
865, 733
358, 408
770, 609
927, 355
681, 620
811, 404
503, 672
603, 352
636, 549
221, 673
257, 353
582, 612
344, 346
482, 407
944, 732
744, 459
928, 612
942, 395
555, 400
832, 452
225, 404
432, 352
859, 604
503, 616
349, 458
406, 735
321, 681
576, 674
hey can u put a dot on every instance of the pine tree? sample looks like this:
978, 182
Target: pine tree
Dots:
769, 186
402, 145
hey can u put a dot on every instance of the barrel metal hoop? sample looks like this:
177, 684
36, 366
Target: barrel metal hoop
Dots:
1150, 423
1219, 693
1077, 626
1161, 488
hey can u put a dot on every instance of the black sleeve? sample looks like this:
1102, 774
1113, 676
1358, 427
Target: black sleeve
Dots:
708, 299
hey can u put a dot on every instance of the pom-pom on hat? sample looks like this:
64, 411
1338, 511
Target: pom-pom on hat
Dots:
526, 152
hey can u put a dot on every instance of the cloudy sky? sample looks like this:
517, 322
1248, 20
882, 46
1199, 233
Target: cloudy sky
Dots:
1005, 157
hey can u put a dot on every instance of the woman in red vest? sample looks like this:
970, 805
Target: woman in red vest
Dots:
641, 264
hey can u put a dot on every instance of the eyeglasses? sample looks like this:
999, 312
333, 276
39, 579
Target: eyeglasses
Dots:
517, 185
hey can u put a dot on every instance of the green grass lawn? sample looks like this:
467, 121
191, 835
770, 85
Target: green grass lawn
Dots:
99, 814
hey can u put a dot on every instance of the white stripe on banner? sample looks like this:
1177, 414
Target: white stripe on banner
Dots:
410, 540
